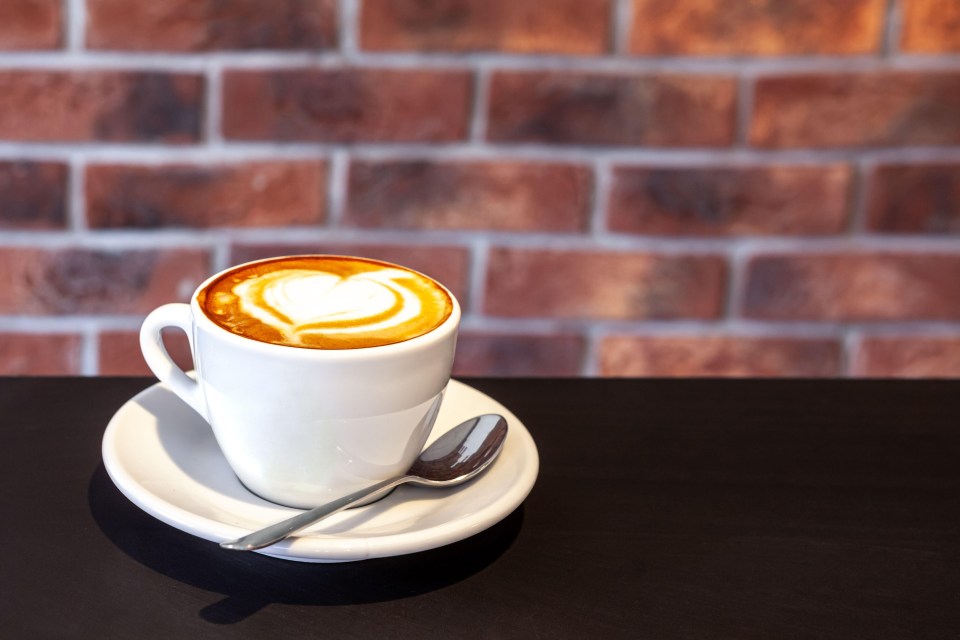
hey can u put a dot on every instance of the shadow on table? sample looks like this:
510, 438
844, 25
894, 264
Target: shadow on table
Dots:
250, 581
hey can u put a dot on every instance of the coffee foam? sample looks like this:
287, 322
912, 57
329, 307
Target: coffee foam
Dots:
326, 302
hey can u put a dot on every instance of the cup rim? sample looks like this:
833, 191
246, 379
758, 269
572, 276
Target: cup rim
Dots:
437, 334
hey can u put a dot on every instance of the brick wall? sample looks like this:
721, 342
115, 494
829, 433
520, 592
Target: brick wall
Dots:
611, 187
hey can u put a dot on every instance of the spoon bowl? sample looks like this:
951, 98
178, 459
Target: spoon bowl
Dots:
455, 457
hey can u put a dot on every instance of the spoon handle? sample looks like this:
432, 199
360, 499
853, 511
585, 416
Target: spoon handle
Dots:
285, 528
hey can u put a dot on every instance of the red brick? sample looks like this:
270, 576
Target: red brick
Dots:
854, 287
764, 27
206, 25
31, 24
923, 198
30, 354
714, 201
565, 26
120, 354
610, 109
594, 284
33, 195
254, 194
509, 196
930, 26
718, 356
346, 105
111, 106
448, 265
90, 281
485, 354
869, 109
908, 357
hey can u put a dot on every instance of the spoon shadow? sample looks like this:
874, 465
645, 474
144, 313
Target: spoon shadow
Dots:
252, 581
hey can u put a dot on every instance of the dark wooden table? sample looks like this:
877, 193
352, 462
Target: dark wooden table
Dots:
664, 509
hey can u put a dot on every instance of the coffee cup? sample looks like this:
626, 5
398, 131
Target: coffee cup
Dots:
319, 375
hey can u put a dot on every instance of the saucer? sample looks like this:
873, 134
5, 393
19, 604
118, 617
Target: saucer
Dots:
164, 458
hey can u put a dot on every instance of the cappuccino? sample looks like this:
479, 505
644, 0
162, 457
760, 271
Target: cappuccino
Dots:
325, 302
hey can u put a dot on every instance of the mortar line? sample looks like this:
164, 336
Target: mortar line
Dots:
213, 104
90, 351
889, 44
76, 201
195, 62
621, 17
337, 188
75, 24
480, 105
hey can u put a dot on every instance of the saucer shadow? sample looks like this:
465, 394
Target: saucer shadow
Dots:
251, 581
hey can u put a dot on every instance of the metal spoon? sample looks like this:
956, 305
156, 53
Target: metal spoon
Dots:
455, 457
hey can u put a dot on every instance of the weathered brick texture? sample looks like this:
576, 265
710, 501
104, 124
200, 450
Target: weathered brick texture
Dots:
718, 356
853, 287
609, 109
915, 198
930, 26
849, 110
346, 105
257, 194
908, 357
106, 106
33, 195
758, 200
563, 26
591, 284
31, 24
519, 355
206, 25
509, 196
765, 27
30, 354
90, 281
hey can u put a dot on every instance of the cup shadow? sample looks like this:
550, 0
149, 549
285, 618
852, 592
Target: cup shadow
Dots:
251, 581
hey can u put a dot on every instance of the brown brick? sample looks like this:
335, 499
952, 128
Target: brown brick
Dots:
346, 105
89, 281
509, 196
763, 27
718, 356
714, 201
31, 354
908, 357
485, 354
111, 106
448, 265
870, 109
30, 24
865, 287
120, 354
206, 25
608, 109
254, 194
593, 284
930, 26
565, 26
922, 198
33, 195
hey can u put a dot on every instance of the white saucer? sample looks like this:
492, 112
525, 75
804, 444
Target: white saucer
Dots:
164, 458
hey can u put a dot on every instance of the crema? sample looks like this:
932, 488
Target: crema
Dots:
325, 302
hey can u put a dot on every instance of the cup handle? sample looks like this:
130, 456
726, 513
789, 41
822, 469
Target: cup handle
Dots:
176, 315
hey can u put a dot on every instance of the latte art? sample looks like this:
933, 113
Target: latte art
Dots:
326, 302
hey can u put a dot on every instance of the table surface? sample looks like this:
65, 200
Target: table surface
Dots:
663, 509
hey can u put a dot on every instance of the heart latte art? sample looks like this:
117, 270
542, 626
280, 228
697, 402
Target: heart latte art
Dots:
325, 302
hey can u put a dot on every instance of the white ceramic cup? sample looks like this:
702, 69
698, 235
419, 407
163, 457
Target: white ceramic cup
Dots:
303, 426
